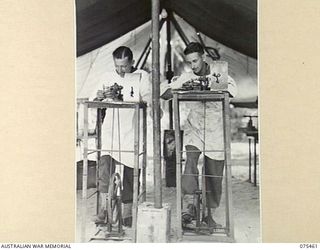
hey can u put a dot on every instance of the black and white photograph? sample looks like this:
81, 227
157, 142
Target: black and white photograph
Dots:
167, 121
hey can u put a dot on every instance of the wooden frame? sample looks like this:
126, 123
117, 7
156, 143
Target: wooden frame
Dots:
206, 96
121, 105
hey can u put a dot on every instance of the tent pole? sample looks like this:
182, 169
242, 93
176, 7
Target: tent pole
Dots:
156, 103
143, 53
169, 61
149, 49
146, 49
145, 58
179, 30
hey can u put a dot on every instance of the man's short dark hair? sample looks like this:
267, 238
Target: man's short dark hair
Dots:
123, 52
193, 47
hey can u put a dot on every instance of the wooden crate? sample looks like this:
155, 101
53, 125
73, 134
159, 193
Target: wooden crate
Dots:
153, 223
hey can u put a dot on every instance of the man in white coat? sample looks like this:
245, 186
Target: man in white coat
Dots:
194, 135
118, 127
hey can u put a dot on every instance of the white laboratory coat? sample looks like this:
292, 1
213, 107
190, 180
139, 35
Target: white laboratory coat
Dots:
193, 120
117, 130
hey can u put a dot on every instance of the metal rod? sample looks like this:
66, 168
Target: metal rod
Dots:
84, 173
178, 163
250, 160
135, 173
119, 135
156, 103
179, 30
197, 211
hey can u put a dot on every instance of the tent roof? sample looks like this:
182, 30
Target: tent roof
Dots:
230, 22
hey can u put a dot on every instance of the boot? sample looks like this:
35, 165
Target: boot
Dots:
210, 221
189, 210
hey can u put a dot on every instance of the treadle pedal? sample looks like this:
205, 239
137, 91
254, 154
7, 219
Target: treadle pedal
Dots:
101, 223
114, 235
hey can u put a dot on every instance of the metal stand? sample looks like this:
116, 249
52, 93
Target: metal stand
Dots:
255, 141
252, 133
119, 105
224, 234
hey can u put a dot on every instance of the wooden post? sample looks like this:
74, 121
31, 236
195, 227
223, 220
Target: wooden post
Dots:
178, 163
203, 177
144, 149
227, 146
156, 103
135, 172
98, 145
84, 173
179, 30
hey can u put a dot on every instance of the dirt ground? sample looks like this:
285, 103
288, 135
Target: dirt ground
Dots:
246, 204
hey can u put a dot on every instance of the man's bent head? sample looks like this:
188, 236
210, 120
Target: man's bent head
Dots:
123, 60
194, 57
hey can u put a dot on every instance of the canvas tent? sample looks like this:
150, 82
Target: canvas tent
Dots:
230, 26
230, 22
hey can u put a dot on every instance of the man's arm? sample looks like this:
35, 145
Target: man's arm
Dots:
166, 88
167, 94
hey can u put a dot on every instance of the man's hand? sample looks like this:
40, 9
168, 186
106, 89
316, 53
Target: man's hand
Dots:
107, 93
100, 95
